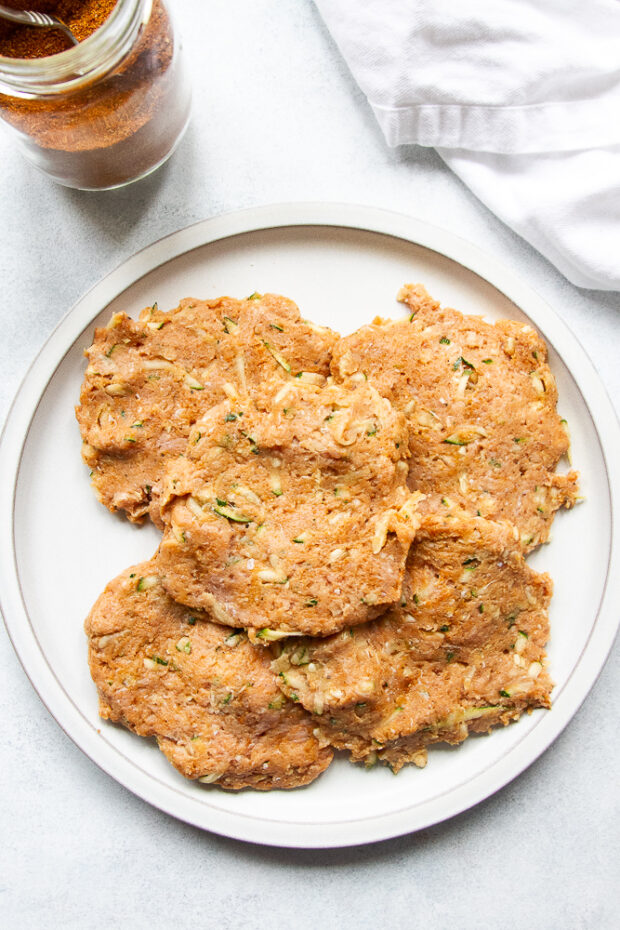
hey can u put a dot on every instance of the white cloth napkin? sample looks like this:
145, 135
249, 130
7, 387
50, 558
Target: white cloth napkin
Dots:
520, 97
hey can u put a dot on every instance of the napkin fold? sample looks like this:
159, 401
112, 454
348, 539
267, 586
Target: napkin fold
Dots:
521, 98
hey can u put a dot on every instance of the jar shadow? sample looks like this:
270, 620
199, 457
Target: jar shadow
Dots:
116, 213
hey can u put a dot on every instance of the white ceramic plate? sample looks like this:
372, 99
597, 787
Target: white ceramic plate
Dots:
58, 547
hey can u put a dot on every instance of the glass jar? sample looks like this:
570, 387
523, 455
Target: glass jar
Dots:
107, 111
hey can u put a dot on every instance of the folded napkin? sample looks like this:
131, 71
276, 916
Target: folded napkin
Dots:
520, 97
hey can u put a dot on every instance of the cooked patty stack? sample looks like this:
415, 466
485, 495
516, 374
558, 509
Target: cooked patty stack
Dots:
344, 526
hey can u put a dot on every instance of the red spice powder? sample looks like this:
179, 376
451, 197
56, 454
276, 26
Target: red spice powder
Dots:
82, 16
114, 128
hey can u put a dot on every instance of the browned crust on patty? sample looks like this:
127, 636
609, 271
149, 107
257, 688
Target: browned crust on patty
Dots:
205, 693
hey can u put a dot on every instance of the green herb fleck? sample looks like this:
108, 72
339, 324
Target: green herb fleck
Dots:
463, 361
227, 510
229, 325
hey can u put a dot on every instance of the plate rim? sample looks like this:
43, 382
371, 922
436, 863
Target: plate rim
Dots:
237, 825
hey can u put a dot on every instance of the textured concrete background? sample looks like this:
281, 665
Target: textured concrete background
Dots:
277, 117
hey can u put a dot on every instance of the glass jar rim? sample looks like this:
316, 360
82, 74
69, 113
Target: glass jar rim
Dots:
91, 59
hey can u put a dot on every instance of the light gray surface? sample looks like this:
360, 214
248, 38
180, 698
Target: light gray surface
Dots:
278, 118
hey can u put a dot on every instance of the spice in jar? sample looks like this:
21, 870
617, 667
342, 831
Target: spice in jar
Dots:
81, 16
103, 112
